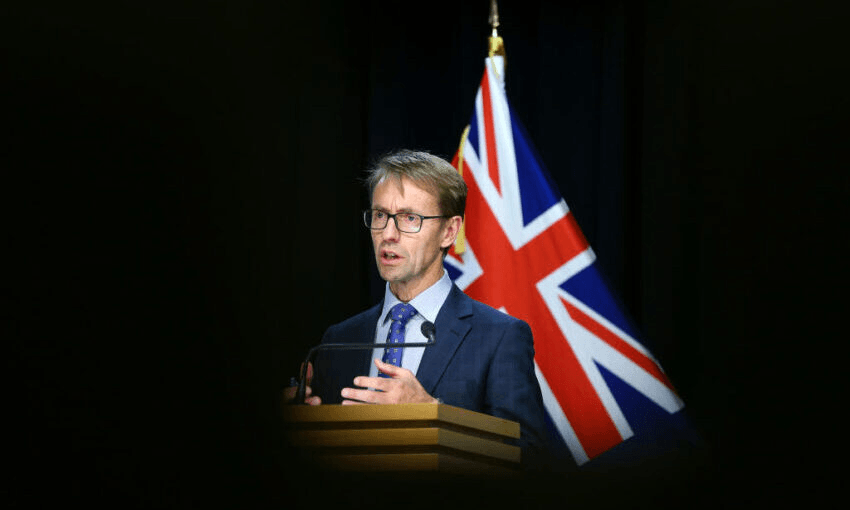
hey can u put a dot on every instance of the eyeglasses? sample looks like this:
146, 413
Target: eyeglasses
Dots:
404, 221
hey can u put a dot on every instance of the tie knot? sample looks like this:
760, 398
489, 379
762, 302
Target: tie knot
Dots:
402, 312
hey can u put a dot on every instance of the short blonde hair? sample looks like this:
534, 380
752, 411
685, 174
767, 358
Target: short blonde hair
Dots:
431, 173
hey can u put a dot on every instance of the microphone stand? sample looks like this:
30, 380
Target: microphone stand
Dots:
301, 393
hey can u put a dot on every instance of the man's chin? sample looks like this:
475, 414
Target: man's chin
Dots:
391, 267
389, 274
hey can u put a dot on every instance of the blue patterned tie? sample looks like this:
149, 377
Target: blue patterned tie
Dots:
400, 314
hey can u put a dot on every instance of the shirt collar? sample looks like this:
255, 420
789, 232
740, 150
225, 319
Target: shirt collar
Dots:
427, 303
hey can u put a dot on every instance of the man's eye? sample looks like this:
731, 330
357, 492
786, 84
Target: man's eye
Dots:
410, 218
378, 215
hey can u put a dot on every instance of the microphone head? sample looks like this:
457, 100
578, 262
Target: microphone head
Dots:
428, 330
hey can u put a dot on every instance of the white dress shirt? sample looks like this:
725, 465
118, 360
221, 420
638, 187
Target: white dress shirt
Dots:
427, 305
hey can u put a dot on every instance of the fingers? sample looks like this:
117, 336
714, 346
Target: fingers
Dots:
309, 374
375, 383
390, 370
383, 383
354, 396
400, 387
289, 395
289, 392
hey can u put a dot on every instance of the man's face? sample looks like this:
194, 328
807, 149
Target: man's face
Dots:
410, 262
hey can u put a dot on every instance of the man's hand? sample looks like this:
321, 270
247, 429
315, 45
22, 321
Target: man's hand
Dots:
289, 393
401, 388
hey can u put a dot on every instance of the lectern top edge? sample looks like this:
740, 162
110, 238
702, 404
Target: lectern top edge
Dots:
402, 412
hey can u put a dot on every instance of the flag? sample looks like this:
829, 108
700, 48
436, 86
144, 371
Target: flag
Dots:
522, 252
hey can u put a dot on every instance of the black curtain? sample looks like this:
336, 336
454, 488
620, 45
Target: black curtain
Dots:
182, 202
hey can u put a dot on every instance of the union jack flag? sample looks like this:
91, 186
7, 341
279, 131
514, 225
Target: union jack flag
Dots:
525, 254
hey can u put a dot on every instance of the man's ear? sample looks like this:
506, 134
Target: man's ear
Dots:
450, 232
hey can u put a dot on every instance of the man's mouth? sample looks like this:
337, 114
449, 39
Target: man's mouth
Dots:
388, 255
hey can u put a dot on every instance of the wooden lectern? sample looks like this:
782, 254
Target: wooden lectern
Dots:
400, 438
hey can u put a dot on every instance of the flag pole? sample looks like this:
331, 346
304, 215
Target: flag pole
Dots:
496, 47
496, 44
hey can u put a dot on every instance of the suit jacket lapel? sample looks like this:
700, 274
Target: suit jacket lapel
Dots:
452, 327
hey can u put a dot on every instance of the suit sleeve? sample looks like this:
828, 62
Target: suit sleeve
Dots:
513, 392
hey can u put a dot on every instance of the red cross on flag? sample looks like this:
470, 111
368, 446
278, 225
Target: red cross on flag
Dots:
525, 254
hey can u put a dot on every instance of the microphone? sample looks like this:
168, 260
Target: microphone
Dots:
428, 329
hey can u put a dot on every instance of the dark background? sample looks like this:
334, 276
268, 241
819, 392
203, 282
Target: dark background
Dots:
181, 200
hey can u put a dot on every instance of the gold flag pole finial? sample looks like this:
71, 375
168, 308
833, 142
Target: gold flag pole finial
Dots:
497, 46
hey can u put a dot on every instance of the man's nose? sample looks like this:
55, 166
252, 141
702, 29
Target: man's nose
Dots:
391, 231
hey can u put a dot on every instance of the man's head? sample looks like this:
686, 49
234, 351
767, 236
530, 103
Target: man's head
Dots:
431, 173
423, 185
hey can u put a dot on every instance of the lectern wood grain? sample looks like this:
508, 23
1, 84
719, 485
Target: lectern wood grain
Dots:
404, 437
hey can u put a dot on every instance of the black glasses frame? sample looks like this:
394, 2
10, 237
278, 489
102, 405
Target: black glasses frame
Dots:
367, 220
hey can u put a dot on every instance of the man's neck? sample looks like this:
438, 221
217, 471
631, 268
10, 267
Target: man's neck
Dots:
406, 291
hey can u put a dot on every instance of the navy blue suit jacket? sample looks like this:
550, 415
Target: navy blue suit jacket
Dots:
482, 361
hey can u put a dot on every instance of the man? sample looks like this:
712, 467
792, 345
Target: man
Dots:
482, 359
